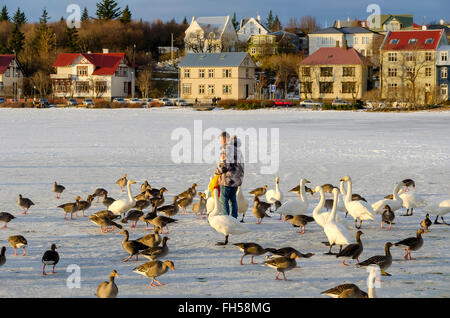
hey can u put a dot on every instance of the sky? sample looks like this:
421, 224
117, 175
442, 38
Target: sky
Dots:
325, 11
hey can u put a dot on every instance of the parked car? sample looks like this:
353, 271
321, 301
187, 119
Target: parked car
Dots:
13, 100
282, 102
72, 102
136, 101
2, 100
165, 102
310, 103
338, 102
182, 102
119, 100
88, 102
43, 102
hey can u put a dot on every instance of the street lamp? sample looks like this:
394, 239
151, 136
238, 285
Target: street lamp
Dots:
34, 95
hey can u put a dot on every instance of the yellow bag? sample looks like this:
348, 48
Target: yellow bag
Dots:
214, 183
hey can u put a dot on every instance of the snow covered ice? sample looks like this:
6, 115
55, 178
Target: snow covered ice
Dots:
84, 149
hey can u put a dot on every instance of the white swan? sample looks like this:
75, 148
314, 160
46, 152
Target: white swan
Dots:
411, 200
298, 205
321, 218
242, 203
358, 209
439, 209
121, 206
335, 232
225, 224
394, 204
274, 195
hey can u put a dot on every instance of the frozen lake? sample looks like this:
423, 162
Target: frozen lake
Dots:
84, 149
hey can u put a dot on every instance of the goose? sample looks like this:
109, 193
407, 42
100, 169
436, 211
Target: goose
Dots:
108, 289
50, 257
154, 269
426, 223
412, 244
145, 186
341, 205
143, 195
84, 205
131, 246
439, 209
121, 206
358, 209
274, 195
411, 200
225, 224
185, 202
298, 205
2, 256
287, 251
155, 252
296, 189
352, 250
151, 240
104, 222
24, 203
299, 221
144, 203
70, 207
158, 220
259, 209
259, 191
321, 218
159, 200
107, 214
99, 192
170, 209
252, 249
383, 261
58, 189
107, 201
388, 216
395, 203
122, 182
242, 203
18, 241
190, 191
335, 232
282, 264
200, 206
6, 217
132, 215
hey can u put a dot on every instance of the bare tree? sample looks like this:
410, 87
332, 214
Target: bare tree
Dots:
308, 24
143, 81
285, 66
42, 82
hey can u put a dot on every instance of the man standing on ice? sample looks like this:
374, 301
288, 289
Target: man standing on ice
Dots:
230, 169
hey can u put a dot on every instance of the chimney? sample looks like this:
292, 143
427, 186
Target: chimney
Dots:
338, 44
345, 47
258, 18
338, 24
348, 19
105, 51
363, 24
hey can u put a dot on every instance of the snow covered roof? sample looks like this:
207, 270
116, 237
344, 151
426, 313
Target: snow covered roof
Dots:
213, 59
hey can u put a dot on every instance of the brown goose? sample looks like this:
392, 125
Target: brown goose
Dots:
50, 257
143, 196
132, 215
84, 205
252, 249
71, 207
132, 247
259, 209
170, 209
99, 192
107, 214
190, 191
154, 269
412, 244
106, 224
2, 256
144, 203
159, 199
108, 289
151, 240
282, 264
145, 186
286, 251
345, 291
58, 189
122, 182
296, 189
185, 202
426, 223
352, 250
158, 221
383, 261
388, 216
6, 217
155, 252
200, 206
24, 203
107, 201
259, 191
18, 241
299, 221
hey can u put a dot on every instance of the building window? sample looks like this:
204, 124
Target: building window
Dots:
429, 41
428, 56
348, 72
392, 72
247, 73
394, 41
201, 89
187, 89
412, 41
253, 50
82, 70
306, 71
201, 73
392, 57
100, 87
211, 73
392, 87
226, 89
444, 90
444, 72
410, 72
428, 71
348, 87
187, 73
326, 87
7, 72
122, 71
410, 57
211, 90
82, 87
227, 73
306, 87
125, 87
444, 56
326, 71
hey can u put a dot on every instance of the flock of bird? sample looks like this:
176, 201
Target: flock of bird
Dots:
154, 246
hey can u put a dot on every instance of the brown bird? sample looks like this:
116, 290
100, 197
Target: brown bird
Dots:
170, 209
412, 243
352, 250
105, 222
71, 207
107, 201
108, 289
6, 217
145, 186
345, 291
191, 190
107, 214
2, 256
132, 247
296, 189
24, 203
58, 189
388, 216
259, 209
259, 191
299, 221
185, 202
99, 192
282, 264
252, 249
132, 215
143, 203
50, 257
155, 252
426, 223
18, 241
382, 261
143, 196
151, 240
122, 182
159, 199
200, 206
287, 251
158, 220
154, 269
84, 205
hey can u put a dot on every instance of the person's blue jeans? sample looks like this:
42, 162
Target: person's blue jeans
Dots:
227, 197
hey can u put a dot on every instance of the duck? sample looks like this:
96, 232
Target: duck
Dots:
259, 209
121, 206
252, 249
360, 210
50, 257
154, 269
170, 209
70, 207
108, 289
411, 244
122, 182
200, 206
158, 220
159, 200
18, 241
282, 264
131, 246
383, 261
107, 201
99, 192
259, 191
395, 203
132, 215
388, 216
58, 189
273, 195
24, 203
155, 252
3, 256
104, 222
299, 221
353, 291
426, 223
84, 205
298, 205
151, 240
6, 217
224, 224
439, 209
242, 203
352, 250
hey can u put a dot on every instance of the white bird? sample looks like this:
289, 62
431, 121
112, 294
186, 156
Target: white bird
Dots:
322, 217
225, 224
121, 206
242, 203
394, 204
439, 209
274, 195
298, 205
411, 200
335, 232
358, 209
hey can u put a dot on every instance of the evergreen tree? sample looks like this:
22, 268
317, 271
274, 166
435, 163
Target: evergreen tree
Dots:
269, 22
126, 15
4, 16
276, 25
19, 17
235, 22
71, 40
4, 49
16, 40
44, 17
107, 10
185, 21
44, 40
85, 15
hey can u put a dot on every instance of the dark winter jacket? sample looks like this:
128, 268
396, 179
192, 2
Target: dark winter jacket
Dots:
231, 164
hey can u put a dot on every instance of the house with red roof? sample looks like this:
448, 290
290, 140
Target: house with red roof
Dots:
95, 75
409, 71
11, 76
335, 72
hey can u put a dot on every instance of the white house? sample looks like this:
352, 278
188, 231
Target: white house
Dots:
11, 75
249, 27
96, 75
210, 35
